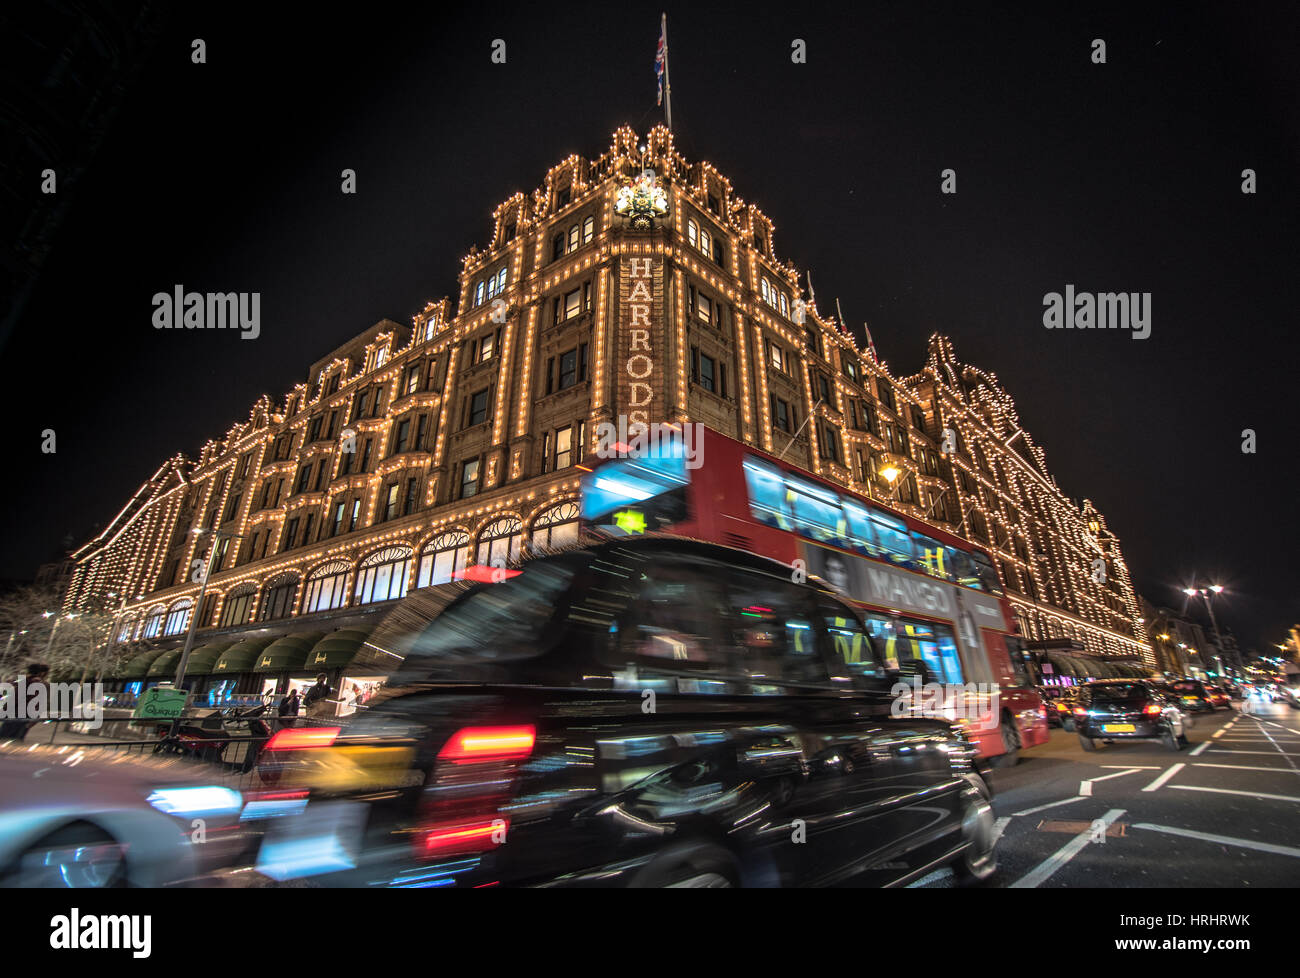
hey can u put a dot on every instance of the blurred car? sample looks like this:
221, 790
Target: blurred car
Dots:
1127, 709
91, 817
648, 712
1197, 696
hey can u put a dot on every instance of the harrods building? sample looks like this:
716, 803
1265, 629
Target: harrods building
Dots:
417, 450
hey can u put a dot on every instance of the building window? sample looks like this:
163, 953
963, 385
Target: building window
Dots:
237, 608
775, 356
153, 624
390, 500
278, 597
588, 230
478, 408
572, 369
382, 576
444, 559
178, 618
782, 416
325, 588
500, 542
556, 527
469, 478
692, 232
563, 448
337, 524
399, 436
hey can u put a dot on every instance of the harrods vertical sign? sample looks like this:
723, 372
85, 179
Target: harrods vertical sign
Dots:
642, 343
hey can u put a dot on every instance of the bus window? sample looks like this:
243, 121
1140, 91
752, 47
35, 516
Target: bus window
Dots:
636, 494
817, 512
773, 630
849, 643
987, 575
894, 539
933, 556
884, 634
963, 568
861, 532
767, 500
933, 645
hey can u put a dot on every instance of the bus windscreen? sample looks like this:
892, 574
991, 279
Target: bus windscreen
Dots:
635, 495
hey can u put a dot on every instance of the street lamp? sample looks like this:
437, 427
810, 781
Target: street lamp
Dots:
1209, 606
198, 604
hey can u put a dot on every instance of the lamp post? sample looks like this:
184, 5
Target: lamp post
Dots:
198, 604
1209, 606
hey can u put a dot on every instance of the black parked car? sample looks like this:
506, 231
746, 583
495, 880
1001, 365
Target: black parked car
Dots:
1127, 709
649, 712
1196, 696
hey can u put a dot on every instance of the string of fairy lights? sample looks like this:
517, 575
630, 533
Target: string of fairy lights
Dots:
132, 554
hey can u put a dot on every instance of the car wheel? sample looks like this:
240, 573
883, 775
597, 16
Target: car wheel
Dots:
1010, 745
79, 856
1068, 725
979, 861
1170, 741
1182, 739
690, 865
1087, 743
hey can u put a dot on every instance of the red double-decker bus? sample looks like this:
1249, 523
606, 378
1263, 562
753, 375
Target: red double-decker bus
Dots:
923, 593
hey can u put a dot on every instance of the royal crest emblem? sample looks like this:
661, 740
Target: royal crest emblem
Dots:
642, 199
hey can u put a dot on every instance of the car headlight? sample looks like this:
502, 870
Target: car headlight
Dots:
196, 802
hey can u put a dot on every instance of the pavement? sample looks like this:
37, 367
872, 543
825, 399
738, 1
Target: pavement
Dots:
1222, 812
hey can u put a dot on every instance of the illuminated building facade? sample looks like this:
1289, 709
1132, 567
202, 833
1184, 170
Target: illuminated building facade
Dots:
634, 285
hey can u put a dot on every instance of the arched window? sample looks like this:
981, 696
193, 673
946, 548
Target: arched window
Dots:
706, 243
573, 237
443, 558
128, 626
237, 607
278, 596
767, 292
383, 575
178, 617
325, 588
785, 305
588, 230
153, 622
501, 540
557, 247
556, 526
692, 233
478, 293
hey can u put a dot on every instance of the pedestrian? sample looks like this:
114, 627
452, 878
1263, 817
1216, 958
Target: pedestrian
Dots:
31, 695
289, 709
316, 701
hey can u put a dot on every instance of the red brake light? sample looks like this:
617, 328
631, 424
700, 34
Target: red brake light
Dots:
472, 837
1080, 711
1151, 709
295, 738
470, 744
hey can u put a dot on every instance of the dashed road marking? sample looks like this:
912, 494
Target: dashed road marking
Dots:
1229, 791
1223, 840
1158, 782
1053, 804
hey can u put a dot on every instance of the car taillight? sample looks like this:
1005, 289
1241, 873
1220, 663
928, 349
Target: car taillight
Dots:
1080, 711
1151, 709
299, 738
470, 745
473, 776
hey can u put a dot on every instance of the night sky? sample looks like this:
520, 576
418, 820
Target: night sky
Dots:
1115, 177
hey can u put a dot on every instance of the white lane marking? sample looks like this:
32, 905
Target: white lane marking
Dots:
1268, 752
1155, 785
1278, 748
999, 827
1246, 767
1043, 871
1229, 791
1201, 750
1085, 788
1041, 808
1223, 840
1120, 774
938, 874
1131, 767
1218, 733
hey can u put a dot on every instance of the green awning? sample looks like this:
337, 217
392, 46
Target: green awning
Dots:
138, 667
287, 653
165, 664
204, 658
337, 649
241, 656
1064, 665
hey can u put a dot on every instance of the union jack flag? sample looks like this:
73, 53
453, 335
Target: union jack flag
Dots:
661, 58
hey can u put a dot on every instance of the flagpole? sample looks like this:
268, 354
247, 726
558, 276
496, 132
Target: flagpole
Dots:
668, 84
